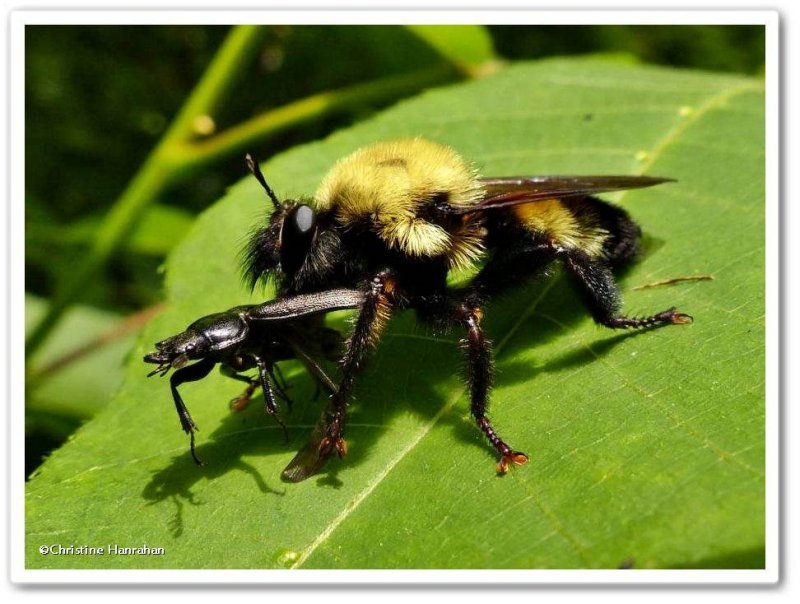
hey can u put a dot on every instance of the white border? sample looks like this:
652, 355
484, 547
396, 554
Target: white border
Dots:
360, 17
19, 574
772, 359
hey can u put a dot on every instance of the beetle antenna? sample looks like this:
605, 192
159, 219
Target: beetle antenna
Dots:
253, 166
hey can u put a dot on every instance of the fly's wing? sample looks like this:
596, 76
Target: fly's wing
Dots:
515, 190
308, 460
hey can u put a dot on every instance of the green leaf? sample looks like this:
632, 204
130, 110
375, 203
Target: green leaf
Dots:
646, 449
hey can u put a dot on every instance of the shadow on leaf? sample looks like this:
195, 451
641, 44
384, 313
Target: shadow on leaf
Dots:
418, 362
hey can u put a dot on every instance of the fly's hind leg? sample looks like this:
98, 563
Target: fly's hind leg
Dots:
602, 297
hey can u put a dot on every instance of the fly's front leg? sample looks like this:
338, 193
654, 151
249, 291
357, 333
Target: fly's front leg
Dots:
479, 376
241, 402
192, 373
372, 317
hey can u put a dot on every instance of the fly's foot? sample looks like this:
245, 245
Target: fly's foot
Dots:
671, 316
329, 444
333, 440
511, 457
241, 402
678, 318
508, 456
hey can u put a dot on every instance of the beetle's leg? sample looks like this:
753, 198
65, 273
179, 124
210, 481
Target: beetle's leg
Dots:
603, 299
270, 404
192, 373
279, 379
280, 388
372, 317
479, 376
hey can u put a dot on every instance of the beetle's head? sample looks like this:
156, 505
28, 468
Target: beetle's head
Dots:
211, 334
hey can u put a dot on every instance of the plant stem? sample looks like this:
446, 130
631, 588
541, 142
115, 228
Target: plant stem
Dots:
128, 325
237, 138
156, 173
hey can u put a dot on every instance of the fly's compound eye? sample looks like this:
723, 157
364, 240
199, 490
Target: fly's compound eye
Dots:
297, 234
302, 220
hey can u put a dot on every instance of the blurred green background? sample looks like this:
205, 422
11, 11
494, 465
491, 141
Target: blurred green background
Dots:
98, 100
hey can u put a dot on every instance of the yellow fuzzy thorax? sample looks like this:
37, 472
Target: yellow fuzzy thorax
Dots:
387, 186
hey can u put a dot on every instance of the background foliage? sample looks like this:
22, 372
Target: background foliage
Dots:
670, 443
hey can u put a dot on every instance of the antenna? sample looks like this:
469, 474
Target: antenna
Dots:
253, 166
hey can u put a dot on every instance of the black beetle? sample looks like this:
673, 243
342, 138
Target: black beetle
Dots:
254, 336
